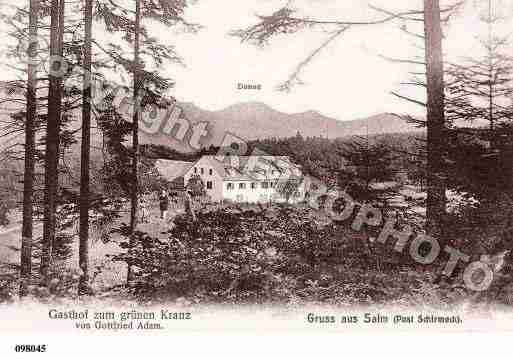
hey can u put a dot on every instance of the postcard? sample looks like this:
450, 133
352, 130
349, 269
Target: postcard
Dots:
306, 167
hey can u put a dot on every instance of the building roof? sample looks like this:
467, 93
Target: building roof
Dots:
251, 168
171, 169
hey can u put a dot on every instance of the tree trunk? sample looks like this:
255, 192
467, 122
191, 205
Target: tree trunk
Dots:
83, 253
135, 134
52, 137
189, 208
30, 149
490, 67
436, 200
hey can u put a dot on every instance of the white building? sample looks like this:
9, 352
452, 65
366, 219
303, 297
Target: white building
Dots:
249, 179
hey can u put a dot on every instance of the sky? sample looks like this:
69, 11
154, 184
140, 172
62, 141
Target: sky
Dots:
350, 79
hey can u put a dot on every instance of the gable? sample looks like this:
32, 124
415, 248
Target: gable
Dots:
248, 168
171, 170
206, 163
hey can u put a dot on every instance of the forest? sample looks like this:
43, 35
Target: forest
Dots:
76, 177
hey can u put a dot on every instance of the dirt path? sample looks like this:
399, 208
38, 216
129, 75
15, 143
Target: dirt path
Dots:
110, 273
10, 243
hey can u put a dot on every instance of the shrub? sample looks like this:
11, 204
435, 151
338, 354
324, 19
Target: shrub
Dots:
232, 255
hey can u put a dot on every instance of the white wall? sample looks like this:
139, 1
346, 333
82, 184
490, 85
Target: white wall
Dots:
220, 191
216, 192
256, 195
246, 195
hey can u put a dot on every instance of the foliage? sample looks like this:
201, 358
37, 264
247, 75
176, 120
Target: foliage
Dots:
476, 167
288, 187
195, 186
279, 22
486, 227
367, 163
371, 162
282, 254
150, 179
8, 191
479, 89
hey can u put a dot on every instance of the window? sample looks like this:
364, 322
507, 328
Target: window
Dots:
272, 184
265, 185
230, 186
242, 186
195, 169
253, 185
209, 184
201, 170
210, 172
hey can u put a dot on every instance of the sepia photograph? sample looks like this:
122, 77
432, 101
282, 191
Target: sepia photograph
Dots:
310, 166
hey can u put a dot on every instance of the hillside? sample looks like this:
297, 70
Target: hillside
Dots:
249, 121
253, 120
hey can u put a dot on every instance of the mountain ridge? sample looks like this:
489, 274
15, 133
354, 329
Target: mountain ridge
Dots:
257, 120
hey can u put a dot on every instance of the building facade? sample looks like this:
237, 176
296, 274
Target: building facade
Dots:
249, 179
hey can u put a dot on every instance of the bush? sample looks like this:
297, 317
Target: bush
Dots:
279, 255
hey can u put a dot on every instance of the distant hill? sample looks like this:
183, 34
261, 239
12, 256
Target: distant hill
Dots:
251, 121
254, 120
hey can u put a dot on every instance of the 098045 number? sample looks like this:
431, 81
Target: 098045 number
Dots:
24, 348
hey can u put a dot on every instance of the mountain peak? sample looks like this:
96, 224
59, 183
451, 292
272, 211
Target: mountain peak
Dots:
257, 120
249, 106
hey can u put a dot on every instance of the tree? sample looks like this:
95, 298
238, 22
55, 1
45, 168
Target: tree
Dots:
134, 196
52, 137
28, 175
20, 120
288, 188
367, 164
195, 186
85, 151
480, 88
148, 86
436, 187
283, 21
